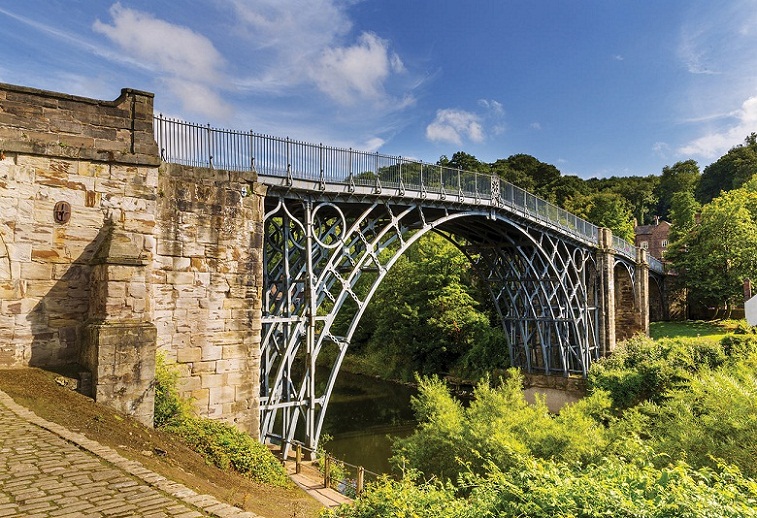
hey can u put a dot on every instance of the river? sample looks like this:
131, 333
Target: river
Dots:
362, 413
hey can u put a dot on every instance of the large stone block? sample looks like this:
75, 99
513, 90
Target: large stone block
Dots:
121, 358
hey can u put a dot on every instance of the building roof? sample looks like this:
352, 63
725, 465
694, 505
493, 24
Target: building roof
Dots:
648, 229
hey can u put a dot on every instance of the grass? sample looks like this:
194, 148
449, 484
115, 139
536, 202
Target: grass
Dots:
713, 329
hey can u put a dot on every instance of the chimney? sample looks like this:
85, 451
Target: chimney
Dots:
656, 220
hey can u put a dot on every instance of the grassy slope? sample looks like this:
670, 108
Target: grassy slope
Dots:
37, 390
691, 328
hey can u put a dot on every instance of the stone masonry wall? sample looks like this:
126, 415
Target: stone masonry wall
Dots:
95, 155
627, 310
207, 287
197, 234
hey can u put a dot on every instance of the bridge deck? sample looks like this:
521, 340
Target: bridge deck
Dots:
315, 168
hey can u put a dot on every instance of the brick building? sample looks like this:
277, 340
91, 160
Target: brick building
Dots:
653, 238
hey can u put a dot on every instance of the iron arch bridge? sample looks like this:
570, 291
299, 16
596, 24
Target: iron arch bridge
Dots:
336, 221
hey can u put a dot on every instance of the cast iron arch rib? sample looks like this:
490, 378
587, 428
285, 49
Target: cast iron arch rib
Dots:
312, 264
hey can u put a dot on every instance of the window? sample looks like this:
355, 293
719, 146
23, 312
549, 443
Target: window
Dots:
664, 243
644, 245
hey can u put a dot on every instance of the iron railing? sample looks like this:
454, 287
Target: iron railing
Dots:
623, 247
655, 264
196, 145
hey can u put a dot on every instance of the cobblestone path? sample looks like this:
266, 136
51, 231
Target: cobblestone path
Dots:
48, 471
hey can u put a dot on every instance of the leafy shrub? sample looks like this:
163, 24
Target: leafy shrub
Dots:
403, 498
739, 347
226, 447
169, 405
713, 417
498, 427
642, 369
547, 489
437, 443
220, 443
613, 488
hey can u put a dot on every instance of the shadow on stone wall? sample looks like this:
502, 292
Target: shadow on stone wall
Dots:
57, 321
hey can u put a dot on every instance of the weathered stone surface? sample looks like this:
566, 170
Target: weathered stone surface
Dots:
38, 122
151, 256
121, 358
202, 230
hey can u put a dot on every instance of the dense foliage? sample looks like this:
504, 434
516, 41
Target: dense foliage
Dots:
667, 430
220, 443
719, 252
635, 197
429, 316
730, 171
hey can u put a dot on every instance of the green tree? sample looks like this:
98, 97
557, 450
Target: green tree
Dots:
464, 161
425, 315
682, 176
566, 187
683, 211
604, 209
715, 257
516, 177
730, 171
541, 174
639, 191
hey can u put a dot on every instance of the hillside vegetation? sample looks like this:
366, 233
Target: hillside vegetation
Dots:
667, 429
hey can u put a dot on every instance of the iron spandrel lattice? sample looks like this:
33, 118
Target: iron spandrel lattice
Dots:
319, 250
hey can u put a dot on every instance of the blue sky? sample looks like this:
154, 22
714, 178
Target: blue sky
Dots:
596, 87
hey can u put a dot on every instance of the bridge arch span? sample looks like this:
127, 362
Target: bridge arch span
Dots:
316, 255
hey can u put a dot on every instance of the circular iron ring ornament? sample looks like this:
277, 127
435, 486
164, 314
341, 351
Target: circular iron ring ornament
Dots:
62, 212
329, 228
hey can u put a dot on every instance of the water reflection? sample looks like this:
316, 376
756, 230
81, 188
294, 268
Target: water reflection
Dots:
362, 412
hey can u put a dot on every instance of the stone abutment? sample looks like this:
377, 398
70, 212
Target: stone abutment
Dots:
108, 255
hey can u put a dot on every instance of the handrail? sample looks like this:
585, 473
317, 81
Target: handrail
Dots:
623, 247
331, 466
655, 264
198, 145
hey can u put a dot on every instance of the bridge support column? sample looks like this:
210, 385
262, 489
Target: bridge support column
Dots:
606, 267
642, 289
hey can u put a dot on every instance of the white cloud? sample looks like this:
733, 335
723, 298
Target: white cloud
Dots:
452, 126
694, 54
285, 38
372, 144
186, 60
716, 143
198, 97
357, 72
175, 49
306, 42
661, 149
535, 126
495, 108
292, 28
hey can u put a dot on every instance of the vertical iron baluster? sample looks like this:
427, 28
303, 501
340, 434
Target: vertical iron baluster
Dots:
210, 149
